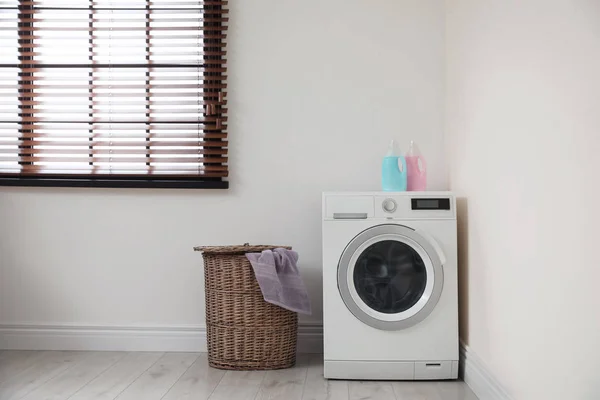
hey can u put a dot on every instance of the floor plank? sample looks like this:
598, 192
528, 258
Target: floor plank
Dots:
454, 391
319, 388
116, 379
415, 391
238, 385
13, 362
197, 383
71, 380
49, 365
371, 390
156, 381
285, 384
431, 390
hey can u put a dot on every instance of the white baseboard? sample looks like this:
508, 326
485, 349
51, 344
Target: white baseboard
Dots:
479, 378
310, 338
103, 338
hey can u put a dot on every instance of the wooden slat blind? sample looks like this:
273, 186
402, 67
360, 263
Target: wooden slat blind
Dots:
113, 88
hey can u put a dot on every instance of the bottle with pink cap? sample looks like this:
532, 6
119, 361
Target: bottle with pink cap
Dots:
416, 169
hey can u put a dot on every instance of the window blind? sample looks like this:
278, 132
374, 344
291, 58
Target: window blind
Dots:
113, 90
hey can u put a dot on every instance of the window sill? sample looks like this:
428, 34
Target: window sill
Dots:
115, 182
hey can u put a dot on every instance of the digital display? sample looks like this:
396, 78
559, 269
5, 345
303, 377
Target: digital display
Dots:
431, 204
428, 203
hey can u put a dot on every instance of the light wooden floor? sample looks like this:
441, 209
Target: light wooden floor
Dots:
57, 375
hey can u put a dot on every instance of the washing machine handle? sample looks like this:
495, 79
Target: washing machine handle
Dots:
436, 246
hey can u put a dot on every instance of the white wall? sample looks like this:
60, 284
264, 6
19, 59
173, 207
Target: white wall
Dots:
524, 134
317, 89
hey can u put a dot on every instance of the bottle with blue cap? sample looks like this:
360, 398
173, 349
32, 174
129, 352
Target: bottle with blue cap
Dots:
393, 170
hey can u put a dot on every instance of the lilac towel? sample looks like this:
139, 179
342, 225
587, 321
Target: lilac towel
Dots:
279, 279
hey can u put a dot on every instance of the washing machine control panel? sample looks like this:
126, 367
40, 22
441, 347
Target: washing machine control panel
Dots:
388, 205
399, 206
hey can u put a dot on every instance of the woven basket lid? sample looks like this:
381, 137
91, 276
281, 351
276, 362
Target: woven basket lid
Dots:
238, 249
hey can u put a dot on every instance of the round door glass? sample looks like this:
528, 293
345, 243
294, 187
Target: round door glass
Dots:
390, 276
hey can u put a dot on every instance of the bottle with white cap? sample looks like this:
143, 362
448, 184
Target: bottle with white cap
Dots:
393, 170
416, 169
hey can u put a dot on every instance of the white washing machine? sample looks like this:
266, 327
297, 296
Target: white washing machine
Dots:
390, 286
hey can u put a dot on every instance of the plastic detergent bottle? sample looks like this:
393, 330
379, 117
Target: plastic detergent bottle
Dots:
393, 170
416, 169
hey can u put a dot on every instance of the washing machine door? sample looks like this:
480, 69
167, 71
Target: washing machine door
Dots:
390, 277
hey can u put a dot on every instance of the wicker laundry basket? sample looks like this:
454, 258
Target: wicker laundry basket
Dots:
243, 331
